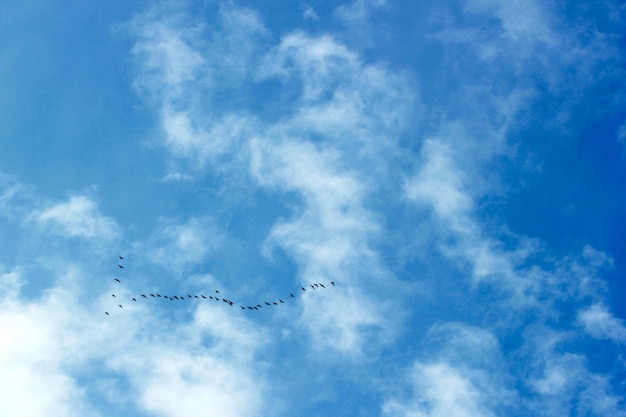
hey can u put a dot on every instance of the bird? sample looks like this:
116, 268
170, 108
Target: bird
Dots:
159, 295
121, 257
275, 303
316, 285
242, 307
259, 305
117, 280
144, 295
303, 289
217, 299
211, 297
120, 266
322, 285
202, 295
113, 295
152, 295
134, 299
291, 295
120, 306
107, 313
312, 287
281, 301
196, 296
267, 303
332, 282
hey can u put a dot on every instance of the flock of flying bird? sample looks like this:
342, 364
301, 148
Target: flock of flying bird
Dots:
216, 296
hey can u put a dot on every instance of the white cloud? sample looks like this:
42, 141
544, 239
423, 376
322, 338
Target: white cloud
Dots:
77, 217
463, 378
601, 324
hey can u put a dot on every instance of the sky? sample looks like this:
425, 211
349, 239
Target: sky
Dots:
456, 168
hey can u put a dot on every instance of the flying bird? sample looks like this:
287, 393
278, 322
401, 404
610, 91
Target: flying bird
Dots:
120, 306
134, 299
303, 289
281, 301
322, 285
144, 295
332, 282
267, 303
152, 295
117, 280
121, 257
217, 291
120, 266
291, 295
107, 313
202, 295
312, 287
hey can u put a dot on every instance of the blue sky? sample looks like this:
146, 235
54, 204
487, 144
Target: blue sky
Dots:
456, 168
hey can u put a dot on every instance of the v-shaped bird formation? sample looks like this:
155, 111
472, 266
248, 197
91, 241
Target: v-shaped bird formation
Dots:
214, 296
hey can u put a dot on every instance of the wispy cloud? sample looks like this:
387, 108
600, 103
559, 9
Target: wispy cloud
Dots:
77, 217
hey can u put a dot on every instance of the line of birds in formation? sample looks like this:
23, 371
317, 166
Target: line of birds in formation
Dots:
256, 307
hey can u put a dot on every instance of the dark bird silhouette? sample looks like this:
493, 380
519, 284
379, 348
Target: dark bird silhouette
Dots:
216, 291
312, 287
120, 306
281, 301
316, 285
120, 266
196, 296
159, 295
322, 285
152, 295
332, 282
188, 295
113, 295
202, 295
275, 303
134, 299
107, 313
121, 257
259, 305
291, 295
249, 308
144, 295
303, 289
242, 307
267, 303
117, 280
255, 308
217, 299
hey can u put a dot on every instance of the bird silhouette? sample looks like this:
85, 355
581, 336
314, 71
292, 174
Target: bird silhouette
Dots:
120, 306
267, 303
216, 291
117, 280
291, 295
134, 299
312, 286
281, 301
120, 266
107, 313
322, 285
121, 257
152, 295
144, 295
202, 295
113, 295
303, 289
332, 282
